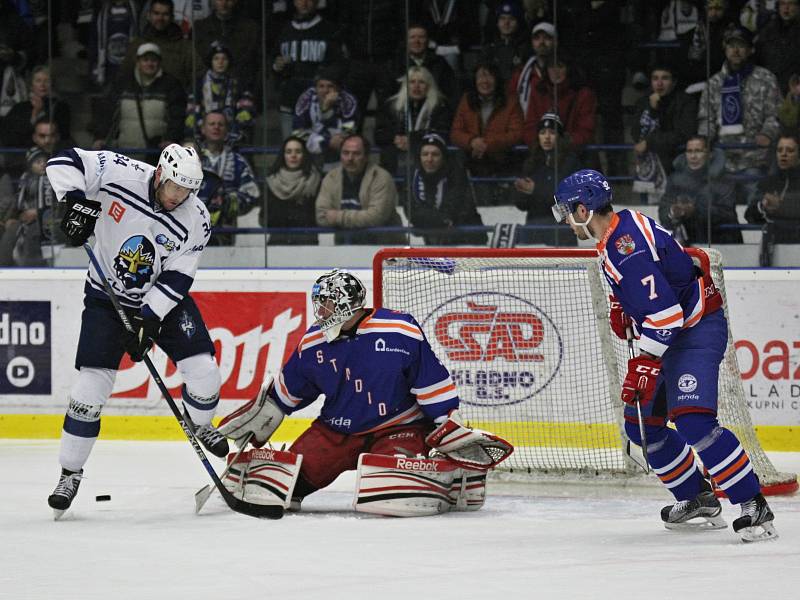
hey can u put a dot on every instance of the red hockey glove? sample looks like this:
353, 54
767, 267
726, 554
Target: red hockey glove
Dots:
640, 381
619, 320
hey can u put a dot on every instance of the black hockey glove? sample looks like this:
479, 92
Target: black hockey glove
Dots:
78, 222
145, 331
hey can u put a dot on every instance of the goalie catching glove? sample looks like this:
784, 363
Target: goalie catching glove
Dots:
468, 448
261, 417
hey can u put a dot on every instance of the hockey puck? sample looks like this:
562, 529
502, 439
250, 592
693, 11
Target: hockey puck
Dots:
102, 498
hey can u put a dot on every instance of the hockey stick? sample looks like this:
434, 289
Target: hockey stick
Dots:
202, 495
240, 506
632, 354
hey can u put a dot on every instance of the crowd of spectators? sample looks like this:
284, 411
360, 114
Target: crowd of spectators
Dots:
429, 108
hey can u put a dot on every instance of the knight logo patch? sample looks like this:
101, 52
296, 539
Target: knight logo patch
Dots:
134, 262
625, 244
187, 325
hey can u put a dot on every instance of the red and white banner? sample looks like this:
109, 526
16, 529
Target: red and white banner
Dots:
253, 334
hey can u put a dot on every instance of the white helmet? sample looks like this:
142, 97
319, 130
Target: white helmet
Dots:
336, 296
182, 165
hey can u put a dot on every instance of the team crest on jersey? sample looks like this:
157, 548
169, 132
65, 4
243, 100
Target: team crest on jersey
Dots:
625, 244
163, 240
187, 325
134, 262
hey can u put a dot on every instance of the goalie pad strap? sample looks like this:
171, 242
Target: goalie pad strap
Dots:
264, 476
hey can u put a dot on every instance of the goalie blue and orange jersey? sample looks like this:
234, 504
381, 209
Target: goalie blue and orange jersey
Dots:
384, 374
653, 277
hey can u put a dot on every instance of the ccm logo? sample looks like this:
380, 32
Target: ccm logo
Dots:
645, 370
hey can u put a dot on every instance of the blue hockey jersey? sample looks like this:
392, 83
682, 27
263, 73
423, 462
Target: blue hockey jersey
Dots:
654, 279
384, 375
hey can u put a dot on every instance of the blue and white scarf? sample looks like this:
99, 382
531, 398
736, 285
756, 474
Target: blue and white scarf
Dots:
731, 110
651, 179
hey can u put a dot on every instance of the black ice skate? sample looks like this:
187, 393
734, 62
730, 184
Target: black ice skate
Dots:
702, 512
213, 440
755, 524
61, 498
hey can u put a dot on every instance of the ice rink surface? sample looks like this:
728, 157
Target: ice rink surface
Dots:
529, 541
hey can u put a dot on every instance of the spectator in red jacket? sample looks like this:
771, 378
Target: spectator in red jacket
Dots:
488, 123
562, 91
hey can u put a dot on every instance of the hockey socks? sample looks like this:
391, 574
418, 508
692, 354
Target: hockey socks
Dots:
671, 458
80, 430
200, 409
722, 455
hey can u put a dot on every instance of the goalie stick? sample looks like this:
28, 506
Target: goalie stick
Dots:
240, 506
646, 465
202, 495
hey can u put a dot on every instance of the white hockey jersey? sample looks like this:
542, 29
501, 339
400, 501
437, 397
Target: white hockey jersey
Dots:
149, 255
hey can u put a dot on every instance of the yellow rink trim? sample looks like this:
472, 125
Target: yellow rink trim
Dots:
554, 435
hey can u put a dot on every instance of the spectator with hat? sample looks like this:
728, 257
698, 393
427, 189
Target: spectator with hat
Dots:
304, 44
487, 123
219, 90
740, 106
146, 109
509, 46
547, 163
441, 197
31, 219
525, 80
178, 57
324, 115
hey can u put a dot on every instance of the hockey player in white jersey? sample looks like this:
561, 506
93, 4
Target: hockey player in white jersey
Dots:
150, 230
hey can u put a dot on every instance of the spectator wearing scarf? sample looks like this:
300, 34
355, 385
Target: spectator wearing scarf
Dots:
292, 186
740, 106
666, 119
441, 197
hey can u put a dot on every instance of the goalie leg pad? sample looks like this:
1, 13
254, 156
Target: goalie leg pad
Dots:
398, 486
264, 476
468, 490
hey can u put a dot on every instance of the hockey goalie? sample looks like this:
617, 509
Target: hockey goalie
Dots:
390, 412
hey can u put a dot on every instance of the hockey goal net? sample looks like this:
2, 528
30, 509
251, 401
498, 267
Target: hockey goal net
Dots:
526, 337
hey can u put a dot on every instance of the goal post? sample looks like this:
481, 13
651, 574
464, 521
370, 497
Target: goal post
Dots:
526, 337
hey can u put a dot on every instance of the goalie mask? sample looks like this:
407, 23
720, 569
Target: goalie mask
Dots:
336, 296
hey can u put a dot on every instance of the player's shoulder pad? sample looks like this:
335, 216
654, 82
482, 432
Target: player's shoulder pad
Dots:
384, 320
312, 337
634, 237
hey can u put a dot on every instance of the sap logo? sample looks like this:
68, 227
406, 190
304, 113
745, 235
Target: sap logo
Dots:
417, 464
484, 333
339, 422
20, 333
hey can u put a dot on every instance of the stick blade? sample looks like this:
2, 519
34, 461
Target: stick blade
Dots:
259, 511
201, 496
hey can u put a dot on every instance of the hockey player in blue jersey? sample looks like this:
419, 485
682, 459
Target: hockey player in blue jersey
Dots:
385, 392
675, 313
150, 230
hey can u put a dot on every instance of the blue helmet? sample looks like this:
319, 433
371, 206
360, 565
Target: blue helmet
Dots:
587, 187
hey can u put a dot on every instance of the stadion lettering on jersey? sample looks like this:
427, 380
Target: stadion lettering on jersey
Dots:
253, 333
25, 353
499, 348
